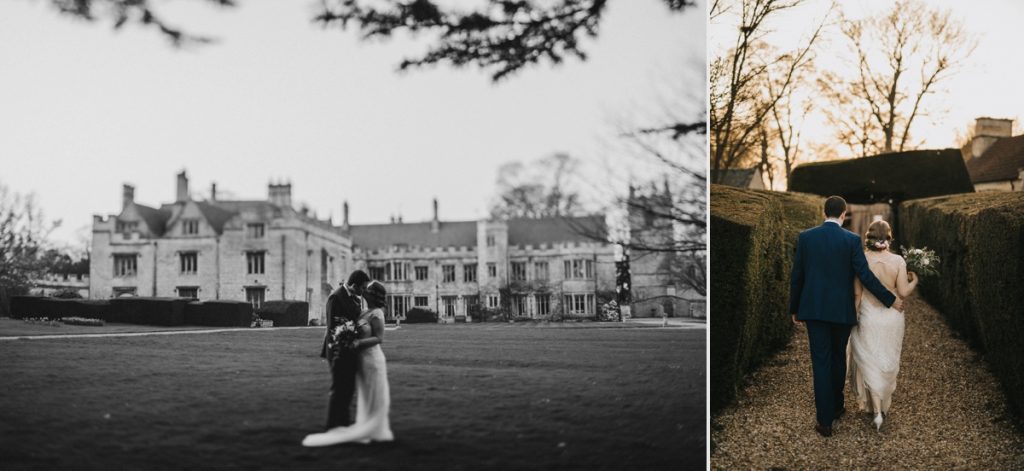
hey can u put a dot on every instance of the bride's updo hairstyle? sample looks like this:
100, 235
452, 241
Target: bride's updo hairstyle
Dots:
375, 294
878, 237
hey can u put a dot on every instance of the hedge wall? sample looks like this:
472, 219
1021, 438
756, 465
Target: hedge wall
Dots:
753, 239
285, 313
895, 176
136, 310
219, 313
980, 290
418, 315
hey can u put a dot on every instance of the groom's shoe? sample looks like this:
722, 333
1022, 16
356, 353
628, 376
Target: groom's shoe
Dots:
839, 413
822, 430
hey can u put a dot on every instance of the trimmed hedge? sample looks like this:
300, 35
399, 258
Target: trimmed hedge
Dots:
897, 176
148, 311
418, 315
980, 289
285, 313
57, 308
753, 239
219, 313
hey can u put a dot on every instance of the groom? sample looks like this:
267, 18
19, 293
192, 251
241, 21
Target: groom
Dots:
821, 295
344, 304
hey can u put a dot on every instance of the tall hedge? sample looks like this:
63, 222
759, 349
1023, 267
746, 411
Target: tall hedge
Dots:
285, 313
980, 289
753, 239
897, 176
219, 313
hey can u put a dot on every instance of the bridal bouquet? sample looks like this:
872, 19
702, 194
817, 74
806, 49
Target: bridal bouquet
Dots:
343, 337
922, 261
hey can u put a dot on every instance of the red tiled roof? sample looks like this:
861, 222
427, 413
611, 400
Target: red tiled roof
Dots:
1001, 161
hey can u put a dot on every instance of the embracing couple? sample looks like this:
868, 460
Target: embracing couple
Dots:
848, 291
357, 365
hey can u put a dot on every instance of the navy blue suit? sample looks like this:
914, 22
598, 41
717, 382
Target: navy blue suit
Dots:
828, 258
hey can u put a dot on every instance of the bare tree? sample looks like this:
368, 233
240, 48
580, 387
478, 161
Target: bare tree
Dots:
749, 80
23, 233
901, 57
542, 188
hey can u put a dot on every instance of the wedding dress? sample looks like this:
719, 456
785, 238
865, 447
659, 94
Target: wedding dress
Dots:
876, 343
373, 399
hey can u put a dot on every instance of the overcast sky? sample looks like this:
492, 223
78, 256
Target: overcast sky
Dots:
84, 109
988, 84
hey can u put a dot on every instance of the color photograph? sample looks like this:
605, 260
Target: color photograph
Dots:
867, 235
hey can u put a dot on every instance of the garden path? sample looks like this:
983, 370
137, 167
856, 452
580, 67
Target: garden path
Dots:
947, 413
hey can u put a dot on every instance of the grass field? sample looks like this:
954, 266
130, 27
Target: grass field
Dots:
463, 397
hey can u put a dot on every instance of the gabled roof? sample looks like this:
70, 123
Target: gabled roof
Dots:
215, 215
737, 177
155, 219
554, 230
1001, 161
449, 234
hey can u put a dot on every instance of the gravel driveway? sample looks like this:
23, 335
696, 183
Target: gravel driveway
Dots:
948, 413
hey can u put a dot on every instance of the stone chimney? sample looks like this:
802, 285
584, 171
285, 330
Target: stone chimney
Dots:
213, 191
344, 215
182, 193
280, 194
435, 225
127, 195
986, 132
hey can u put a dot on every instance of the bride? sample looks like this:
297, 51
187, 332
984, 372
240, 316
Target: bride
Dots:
373, 398
877, 339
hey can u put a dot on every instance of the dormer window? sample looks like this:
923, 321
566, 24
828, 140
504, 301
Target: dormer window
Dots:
255, 230
190, 226
126, 227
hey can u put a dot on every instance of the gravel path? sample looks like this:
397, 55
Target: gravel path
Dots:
947, 413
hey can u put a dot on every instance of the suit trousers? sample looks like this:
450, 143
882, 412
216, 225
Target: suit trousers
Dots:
343, 386
828, 359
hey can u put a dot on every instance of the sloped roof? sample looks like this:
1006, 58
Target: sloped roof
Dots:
554, 230
521, 231
449, 234
156, 219
737, 177
215, 215
1001, 161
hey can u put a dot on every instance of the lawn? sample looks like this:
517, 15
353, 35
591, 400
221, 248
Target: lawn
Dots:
463, 397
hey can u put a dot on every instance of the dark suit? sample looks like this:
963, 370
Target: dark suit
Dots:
828, 258
342, 305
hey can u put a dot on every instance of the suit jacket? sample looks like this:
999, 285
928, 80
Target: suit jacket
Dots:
341, 305
828, 257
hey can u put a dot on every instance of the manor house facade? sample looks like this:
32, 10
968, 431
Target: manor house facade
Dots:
244, 250
260, 250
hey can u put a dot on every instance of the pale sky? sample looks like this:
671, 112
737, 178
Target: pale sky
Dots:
84, 109
988, 84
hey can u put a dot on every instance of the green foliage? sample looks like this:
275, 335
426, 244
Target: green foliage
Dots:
980, 240
23, 232
754, 237
83, 321
219, 313
898, 177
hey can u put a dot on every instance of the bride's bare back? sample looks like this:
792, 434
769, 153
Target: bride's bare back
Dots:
891, 270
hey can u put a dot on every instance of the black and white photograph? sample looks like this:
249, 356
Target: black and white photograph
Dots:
354, 234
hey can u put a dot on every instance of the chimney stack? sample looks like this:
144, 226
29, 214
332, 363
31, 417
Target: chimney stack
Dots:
986, 132
344, 215
182, 193
435, 225
213, 191
127, 195
280, 194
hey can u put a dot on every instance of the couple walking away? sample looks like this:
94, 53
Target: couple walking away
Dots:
352, 349
844, 291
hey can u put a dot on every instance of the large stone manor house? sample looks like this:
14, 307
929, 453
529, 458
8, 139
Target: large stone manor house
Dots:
260, 250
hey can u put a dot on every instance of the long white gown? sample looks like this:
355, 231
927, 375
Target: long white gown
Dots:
373, 399
876, 343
